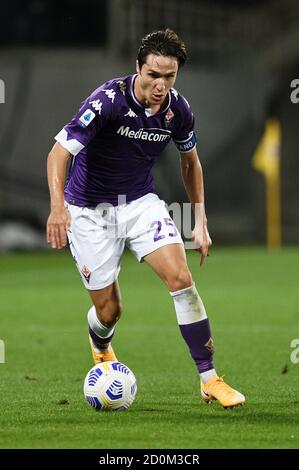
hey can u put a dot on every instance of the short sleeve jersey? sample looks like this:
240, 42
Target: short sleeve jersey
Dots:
115, 143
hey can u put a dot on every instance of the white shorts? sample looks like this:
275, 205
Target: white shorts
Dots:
98, 236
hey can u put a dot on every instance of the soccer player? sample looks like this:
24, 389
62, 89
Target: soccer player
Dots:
108, 201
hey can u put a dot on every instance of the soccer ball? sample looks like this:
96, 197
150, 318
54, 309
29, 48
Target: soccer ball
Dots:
110, 386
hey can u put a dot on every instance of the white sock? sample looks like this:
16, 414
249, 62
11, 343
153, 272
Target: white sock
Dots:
190, 311
97, 327
206, 376
188, 305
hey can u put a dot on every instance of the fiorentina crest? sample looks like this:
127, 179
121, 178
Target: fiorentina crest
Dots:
168, 117
86, 273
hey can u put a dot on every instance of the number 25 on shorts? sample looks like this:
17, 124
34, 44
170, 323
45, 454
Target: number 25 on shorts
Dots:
162, 227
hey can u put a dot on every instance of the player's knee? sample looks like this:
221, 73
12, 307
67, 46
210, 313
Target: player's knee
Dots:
179, 280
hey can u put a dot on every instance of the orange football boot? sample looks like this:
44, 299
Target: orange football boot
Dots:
102, 356
217, 389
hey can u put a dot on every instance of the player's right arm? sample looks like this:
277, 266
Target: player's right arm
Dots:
92, 116
59, 219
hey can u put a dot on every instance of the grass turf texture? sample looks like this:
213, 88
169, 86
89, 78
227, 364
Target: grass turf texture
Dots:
252, 300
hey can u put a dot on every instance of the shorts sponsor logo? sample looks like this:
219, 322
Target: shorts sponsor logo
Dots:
143, 134
86, 118
86, 273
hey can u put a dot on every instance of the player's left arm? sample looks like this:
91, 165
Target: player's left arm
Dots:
192, 175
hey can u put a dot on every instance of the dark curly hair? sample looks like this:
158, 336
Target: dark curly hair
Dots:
164, 42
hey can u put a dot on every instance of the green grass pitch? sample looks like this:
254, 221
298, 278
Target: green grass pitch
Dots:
252, 299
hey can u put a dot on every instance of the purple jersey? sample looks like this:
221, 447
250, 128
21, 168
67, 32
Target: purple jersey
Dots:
115, 143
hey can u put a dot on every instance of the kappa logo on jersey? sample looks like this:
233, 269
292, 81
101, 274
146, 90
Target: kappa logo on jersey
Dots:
122, 86
110, 94
144, 134
130, 113
175, 93
86, 117
97, 105
86, 273
168, 117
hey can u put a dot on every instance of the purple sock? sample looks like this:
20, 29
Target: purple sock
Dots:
198, 338
100, 343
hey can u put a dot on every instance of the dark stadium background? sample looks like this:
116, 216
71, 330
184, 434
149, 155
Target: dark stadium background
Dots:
243, 56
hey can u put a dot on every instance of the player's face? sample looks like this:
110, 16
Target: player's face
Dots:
155, 78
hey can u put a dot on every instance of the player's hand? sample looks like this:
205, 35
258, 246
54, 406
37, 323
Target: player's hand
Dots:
59, 222
202, 241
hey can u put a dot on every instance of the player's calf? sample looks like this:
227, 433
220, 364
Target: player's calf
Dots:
195, 328
100, 337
